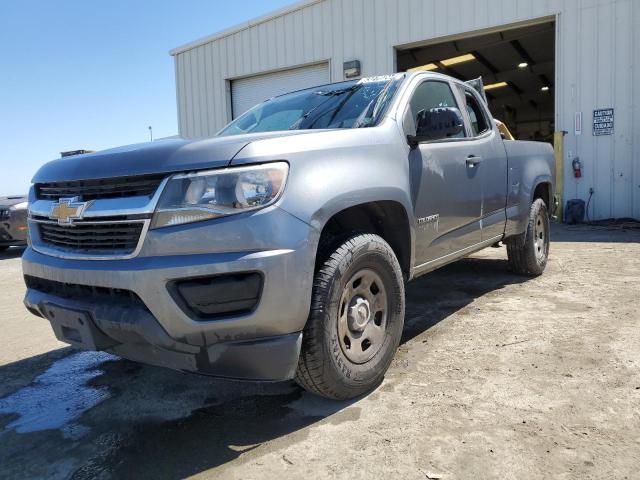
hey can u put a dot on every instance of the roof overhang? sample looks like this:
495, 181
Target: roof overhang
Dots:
243, 26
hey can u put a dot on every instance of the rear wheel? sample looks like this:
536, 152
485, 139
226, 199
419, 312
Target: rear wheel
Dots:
356, 319
530, 257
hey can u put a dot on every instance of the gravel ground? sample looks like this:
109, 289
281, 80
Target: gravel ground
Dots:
498, 376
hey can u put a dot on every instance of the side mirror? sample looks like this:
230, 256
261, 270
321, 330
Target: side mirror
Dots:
436, 124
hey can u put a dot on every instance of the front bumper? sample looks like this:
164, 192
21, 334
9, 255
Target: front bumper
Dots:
262, 344
133, 333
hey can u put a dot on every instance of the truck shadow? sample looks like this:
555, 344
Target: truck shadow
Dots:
437, 295
106, 417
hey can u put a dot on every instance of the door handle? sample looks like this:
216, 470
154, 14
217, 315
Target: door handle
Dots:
473, 161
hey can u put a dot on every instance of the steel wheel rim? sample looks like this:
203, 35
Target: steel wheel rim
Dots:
541, 238
362, 316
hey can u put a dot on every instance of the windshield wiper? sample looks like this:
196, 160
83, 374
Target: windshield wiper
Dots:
331, 94
336, 109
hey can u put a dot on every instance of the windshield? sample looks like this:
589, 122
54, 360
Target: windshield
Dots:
353, 104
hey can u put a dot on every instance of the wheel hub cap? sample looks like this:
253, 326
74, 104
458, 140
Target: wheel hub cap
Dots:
540, 240
362, 317
359, 314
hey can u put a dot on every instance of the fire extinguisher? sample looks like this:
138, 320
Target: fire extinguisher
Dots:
577, 167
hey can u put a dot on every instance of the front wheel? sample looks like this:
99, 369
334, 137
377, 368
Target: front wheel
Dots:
356, 319
530, 257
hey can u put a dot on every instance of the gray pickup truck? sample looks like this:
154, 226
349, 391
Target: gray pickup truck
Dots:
280, 248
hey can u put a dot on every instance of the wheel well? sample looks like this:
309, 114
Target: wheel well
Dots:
543, 191
388, 219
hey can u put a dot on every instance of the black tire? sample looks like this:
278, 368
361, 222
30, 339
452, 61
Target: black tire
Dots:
323, 367
530, 258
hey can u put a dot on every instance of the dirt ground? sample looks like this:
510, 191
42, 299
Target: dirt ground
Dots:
498, 377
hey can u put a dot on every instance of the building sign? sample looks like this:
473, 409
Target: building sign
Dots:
603, 122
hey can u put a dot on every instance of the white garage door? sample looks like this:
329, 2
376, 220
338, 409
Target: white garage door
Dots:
247, 92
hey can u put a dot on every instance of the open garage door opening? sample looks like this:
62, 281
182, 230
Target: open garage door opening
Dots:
517, 66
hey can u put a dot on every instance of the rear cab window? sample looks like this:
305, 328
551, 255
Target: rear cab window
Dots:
478, 119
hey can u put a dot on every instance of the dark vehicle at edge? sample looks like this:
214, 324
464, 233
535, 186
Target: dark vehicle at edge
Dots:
13, 221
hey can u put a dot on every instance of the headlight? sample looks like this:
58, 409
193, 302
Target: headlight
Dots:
19, 206
193, 197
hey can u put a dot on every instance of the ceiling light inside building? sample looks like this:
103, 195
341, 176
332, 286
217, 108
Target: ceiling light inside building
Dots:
424, 68
455, 60
545, 88
523, 65
491, 86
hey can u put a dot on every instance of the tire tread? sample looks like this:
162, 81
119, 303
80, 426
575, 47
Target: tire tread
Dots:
310, 373
521, 257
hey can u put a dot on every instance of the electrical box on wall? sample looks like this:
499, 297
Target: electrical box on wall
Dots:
351, 69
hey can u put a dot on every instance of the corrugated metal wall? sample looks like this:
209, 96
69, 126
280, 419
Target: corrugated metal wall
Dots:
598, 66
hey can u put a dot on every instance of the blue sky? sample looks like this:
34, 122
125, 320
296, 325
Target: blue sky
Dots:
94, 73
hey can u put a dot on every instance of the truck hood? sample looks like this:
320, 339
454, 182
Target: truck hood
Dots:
163, 156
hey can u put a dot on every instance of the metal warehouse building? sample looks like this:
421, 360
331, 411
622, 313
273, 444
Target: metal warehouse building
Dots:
564, 71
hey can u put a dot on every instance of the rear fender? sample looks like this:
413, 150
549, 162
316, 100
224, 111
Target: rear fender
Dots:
530, 164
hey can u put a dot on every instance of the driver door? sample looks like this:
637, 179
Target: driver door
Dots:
446, 187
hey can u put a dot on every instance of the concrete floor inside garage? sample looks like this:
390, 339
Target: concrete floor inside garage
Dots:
498, 376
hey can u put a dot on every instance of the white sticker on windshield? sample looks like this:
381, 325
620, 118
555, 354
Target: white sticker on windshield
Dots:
378, 79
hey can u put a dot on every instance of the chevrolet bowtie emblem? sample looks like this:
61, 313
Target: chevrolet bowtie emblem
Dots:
67, 210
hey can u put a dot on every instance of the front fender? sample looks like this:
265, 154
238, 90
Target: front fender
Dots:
330, 171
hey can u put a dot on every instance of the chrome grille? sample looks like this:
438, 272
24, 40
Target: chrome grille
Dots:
102, 188
92, 237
